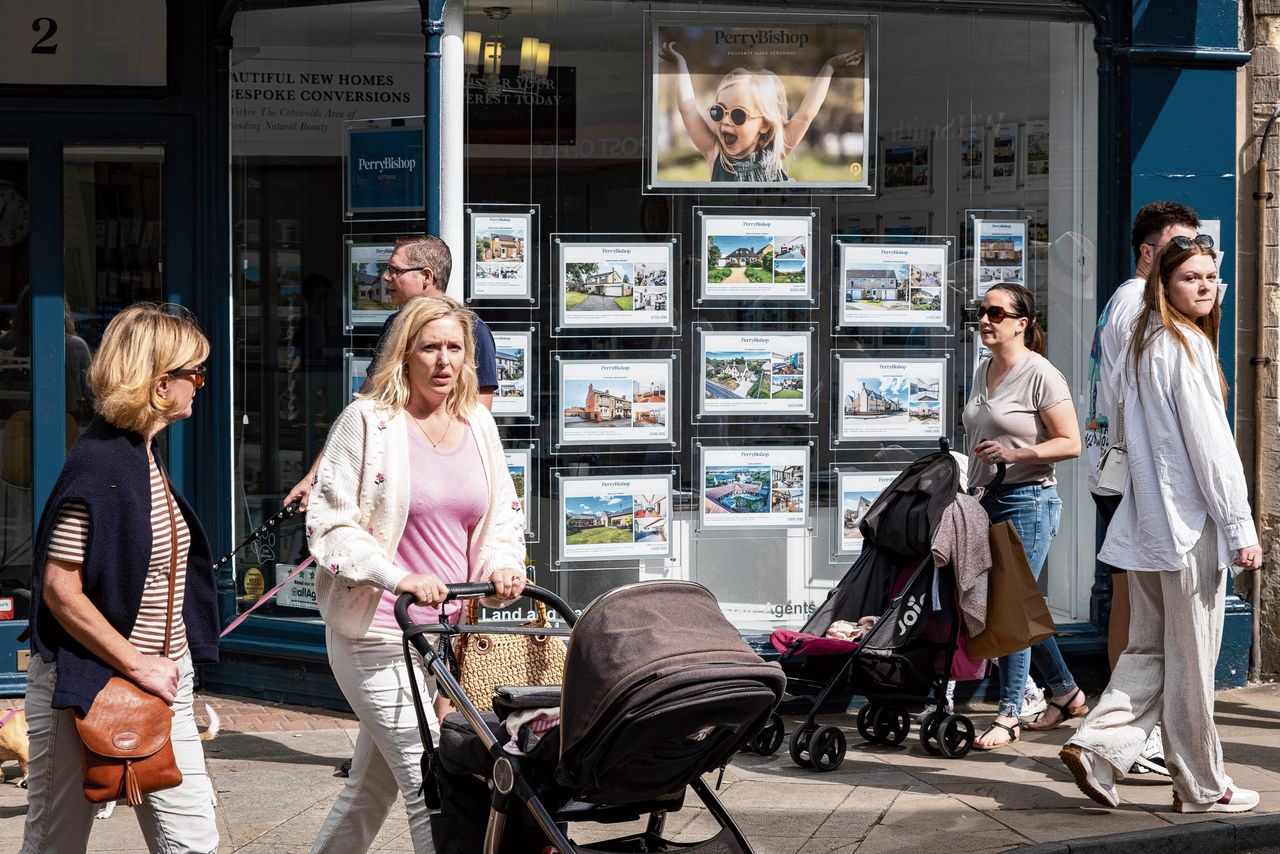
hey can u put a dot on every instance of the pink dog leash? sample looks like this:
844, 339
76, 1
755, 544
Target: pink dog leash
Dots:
265, 596
4, 720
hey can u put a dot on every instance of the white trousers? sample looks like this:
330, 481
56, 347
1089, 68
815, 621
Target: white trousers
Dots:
372, 674
1166, 673
59, 819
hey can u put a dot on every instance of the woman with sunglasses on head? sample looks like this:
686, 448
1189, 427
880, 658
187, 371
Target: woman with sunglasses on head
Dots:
1183, 520
116, 545
1019, 413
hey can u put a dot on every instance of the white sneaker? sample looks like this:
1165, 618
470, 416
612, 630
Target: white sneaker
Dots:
1033, 701
1152, 757
1232, 800
1093, 775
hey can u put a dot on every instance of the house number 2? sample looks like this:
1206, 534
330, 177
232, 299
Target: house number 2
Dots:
50, 27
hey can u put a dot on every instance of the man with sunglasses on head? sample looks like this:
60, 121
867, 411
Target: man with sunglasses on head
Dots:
1156, 225
420, 267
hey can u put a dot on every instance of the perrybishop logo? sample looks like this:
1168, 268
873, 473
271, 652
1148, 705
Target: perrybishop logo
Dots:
387, 164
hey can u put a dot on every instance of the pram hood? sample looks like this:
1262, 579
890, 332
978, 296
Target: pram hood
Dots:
634, 652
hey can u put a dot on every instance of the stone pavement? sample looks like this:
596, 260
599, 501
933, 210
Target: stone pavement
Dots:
273, 769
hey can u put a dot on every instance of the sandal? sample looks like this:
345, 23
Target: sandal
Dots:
1015, 735
1065, 713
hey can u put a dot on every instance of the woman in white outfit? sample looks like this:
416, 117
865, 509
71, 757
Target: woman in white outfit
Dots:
413, 493
1183, 520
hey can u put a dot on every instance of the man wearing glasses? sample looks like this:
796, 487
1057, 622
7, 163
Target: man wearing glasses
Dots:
1155, 226
420, 267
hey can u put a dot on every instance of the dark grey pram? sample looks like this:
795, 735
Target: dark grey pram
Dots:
658, 689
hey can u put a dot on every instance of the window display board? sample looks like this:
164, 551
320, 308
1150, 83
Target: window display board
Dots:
624, 399
616, 284
516, 354
618, 515
1035, 153
356, 369
366, 302
756, 257
906, 162
522, 458
754, 372
503, 262
384, 166
884, 281
857, 488
972, 170
891, 398
1003, 173
753, 486
741, 100
998, 249
907, 223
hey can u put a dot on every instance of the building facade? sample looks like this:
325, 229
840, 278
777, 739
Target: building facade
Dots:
256, 160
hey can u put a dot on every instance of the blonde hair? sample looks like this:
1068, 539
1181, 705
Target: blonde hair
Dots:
142, 344
388, 383
770, 103
1159, 314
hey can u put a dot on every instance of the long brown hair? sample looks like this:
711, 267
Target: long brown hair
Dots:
1024, 305
1158, 313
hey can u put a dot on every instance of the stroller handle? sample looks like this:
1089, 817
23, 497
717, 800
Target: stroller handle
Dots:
476, 590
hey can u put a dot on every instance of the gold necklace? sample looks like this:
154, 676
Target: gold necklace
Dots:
423, 431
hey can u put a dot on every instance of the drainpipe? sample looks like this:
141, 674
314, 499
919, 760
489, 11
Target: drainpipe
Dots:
1260, 364
433, 29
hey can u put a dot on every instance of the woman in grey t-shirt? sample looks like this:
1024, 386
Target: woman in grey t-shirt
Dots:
1019, 413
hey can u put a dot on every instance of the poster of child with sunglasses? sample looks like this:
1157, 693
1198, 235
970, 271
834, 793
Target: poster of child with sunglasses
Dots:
743, 101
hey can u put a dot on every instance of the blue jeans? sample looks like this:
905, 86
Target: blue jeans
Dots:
1035, 512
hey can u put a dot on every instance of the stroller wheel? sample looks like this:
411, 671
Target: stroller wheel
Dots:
767, 741
865, 716
826, 748
891, 724
955, 736
799, 746
929, 732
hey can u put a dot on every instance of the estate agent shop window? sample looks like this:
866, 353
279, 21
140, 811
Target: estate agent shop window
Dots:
713, 350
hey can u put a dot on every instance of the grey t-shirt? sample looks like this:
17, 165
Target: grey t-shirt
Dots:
1012, 416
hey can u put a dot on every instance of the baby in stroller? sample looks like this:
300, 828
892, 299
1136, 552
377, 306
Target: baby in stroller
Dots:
659, 688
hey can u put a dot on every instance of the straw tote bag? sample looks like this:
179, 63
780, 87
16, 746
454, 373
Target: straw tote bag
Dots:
124, 738
1017, 616
487, 661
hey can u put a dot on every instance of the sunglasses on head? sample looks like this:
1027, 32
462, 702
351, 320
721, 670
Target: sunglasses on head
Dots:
1204, 241
994, 313
196, 375
737, 115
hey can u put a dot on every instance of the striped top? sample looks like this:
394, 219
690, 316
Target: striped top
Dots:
68, 544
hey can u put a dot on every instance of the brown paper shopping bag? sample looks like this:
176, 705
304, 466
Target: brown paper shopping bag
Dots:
1017, 616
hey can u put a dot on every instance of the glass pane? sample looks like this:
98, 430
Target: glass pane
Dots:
15, 381
113, 231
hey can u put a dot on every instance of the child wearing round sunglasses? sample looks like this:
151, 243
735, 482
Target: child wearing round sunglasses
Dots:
748, 132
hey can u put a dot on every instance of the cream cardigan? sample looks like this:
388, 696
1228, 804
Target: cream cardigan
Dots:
359, 508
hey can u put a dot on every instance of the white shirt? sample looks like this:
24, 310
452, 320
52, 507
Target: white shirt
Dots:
1183, 462
1110, 346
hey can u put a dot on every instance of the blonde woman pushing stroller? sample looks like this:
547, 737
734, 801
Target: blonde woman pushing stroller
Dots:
746, 135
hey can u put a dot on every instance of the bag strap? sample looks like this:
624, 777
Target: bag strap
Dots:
173, 558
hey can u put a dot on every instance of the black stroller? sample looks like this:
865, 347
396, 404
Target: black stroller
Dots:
903, 662
659, 688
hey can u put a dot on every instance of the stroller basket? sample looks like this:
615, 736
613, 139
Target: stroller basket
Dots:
658, 689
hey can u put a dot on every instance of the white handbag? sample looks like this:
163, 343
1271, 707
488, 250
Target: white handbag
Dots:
1113, 468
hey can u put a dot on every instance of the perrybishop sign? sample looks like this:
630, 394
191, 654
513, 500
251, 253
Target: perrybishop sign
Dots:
384, 170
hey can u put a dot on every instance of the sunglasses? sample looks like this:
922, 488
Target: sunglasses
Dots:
397, 272
737, 115
196, 375
1204, 241
994, 313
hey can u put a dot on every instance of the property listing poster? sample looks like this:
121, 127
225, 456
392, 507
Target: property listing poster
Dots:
907, 163
858, 491
1035, 153
755, 372
519, 466
500, 257
973, 167
756, 258
615, 403
1004, 157
755, 486
906, 223
615, 284
514, 356
615, 518
1000, 253
893, 284
368, 303
749, 75
892, 398
357, 371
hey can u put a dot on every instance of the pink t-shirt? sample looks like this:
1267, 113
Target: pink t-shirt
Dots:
448, 493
